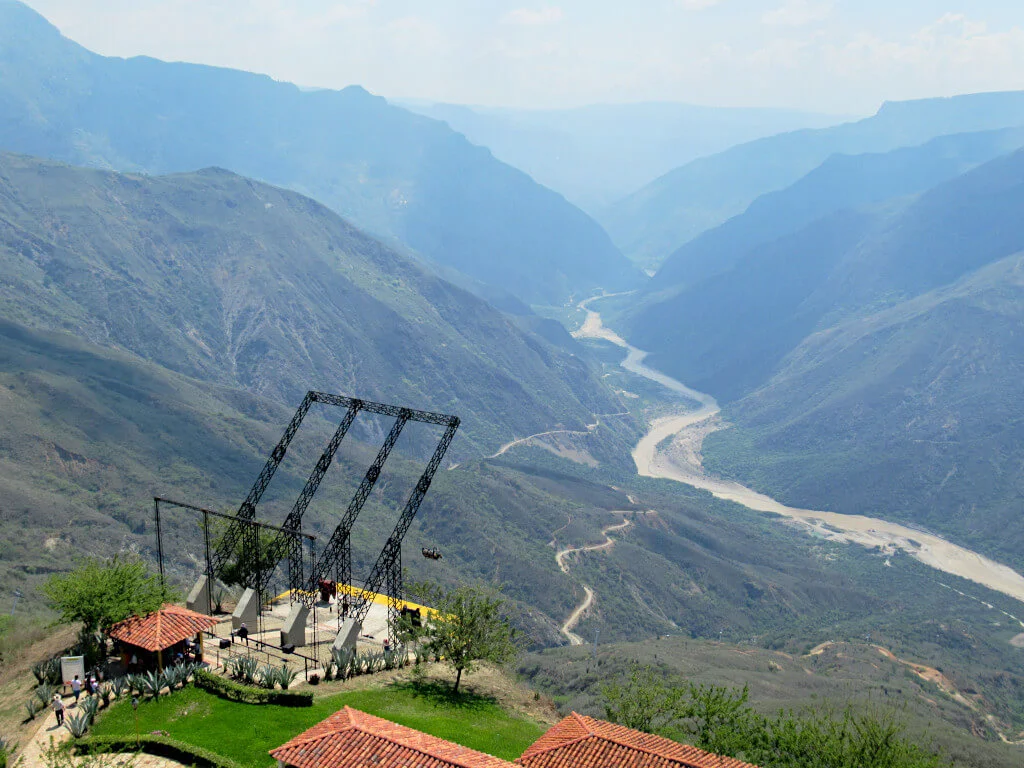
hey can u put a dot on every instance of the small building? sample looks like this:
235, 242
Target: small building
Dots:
579, 741
353, 739
155, 639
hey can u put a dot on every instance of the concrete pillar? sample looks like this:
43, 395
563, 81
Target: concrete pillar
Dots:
348, 633
248, 611
199, 597
294, 630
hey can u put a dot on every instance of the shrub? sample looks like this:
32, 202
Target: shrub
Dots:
246, 694
164, 746
314, 679
244, 669
151, 683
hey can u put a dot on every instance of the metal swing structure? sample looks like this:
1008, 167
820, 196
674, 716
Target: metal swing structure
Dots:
259, 558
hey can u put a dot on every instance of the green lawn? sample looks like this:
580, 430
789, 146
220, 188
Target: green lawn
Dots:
245, 732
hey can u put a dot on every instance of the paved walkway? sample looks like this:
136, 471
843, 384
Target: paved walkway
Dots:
32, 756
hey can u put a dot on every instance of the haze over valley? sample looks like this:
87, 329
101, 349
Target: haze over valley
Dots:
740, 386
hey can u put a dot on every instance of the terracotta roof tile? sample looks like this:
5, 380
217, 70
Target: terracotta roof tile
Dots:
353, 739
579, 741
161, 629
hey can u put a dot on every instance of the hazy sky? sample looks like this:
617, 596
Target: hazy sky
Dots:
830, 55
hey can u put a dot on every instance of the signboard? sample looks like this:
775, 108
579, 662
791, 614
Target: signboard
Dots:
71, 666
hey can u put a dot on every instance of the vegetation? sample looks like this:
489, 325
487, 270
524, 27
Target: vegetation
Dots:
250, 694
101, 592
468, 627
720, 720
151, 744
244, 733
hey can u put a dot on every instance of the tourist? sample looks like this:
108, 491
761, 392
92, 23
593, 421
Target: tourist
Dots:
76, 688
243, 633
94, 686
58, 708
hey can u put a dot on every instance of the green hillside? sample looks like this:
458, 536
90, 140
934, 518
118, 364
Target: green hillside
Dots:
245, 285
911, 413
396, 174
653, 222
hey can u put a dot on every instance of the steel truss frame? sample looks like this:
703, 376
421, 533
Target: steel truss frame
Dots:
336, 558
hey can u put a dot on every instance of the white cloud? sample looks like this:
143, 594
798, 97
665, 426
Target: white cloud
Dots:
797, 13
696, 5
531, 17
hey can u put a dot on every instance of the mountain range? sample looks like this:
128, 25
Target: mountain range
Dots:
654, 222
598, 154
398, 175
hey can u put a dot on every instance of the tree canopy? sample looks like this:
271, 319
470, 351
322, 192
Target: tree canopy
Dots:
720, 720
468, 627
101, 592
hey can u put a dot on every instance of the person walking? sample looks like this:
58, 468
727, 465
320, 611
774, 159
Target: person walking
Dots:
94, 686
76, 688
58, 708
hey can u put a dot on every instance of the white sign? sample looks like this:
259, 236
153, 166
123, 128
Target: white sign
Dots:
71, 666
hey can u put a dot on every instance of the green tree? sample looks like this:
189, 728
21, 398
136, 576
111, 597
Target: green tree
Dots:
101, 592
720, 720
468, 627
240, 566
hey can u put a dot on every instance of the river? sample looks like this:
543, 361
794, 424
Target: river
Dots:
681, 461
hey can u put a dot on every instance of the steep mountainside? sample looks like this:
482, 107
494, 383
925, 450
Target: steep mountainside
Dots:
728, 333
658, 219
598, 154
911, 413
389, 171
246, 285
842, 181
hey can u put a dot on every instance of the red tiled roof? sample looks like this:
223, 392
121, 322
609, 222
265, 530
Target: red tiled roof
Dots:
353, 739
161, 629
579, 741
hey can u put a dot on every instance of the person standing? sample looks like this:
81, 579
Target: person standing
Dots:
58, 708
76, 688
94, 686
243, 632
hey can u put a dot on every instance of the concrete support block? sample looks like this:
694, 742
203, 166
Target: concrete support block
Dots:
199, 597
294, 630
348, 633
248, 611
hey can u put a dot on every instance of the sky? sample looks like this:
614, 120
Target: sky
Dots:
839, 56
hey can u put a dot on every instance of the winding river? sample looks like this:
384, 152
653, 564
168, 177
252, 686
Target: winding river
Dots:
681, 461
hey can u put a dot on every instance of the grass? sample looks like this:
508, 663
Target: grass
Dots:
245, 732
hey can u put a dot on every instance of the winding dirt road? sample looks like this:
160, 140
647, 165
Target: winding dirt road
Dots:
682, 463
588, 600
589, 428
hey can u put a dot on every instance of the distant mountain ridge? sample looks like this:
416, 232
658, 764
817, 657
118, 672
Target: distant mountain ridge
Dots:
597, 154
396, 174
769, 287
652, 223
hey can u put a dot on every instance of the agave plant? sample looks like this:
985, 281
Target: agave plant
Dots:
33, 706
78, 724
286, 676
329, 668
151, 683
88, 706
119, 685
44, 692
172, 677
344, 659
106, 693
43, 671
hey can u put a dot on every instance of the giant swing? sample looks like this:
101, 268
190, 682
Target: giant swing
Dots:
308, 570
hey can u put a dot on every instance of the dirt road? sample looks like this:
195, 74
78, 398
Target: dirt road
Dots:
588, 600
682, 462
